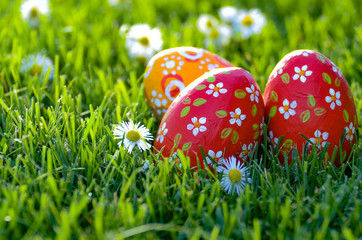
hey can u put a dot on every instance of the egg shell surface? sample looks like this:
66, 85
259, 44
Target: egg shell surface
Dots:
307, 94
171, 70
222, 111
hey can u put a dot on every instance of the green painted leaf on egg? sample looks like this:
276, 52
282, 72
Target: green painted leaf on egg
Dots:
240, 93
235, 137
321, 58
337, 82
288, 143
177, 139
326, 78
226, 132
274, 96
273, 111
199, 102
201, 87
186, 146
256, 135
186, 101
255, 127
185, 111
221, 114
319, 111
211, 79
311, 101
345, 116
285, 78
304, 116
254, 110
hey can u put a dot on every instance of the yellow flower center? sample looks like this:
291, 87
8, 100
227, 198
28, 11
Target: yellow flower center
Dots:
209, 24
236, 116
214, 34
36, 70
235, 175
301, 73
334, 98
247, 21
349, 133
286, 108
197, 124
144, 41
133, 135
246, 152
216, 89
317, 140
34, 12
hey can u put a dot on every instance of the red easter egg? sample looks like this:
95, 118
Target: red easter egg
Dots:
307, 94
222, 111
171, 70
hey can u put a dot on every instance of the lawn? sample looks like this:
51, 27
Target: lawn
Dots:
63, 176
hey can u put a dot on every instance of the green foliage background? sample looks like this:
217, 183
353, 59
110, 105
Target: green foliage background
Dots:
63, 176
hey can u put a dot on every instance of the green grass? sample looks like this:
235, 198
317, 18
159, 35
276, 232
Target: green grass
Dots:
63, 176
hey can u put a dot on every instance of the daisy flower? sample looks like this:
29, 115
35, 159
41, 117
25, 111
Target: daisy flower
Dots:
220, 36
272, 140
287, 109
237, 117
249, 22
196, 126
301, 73
175, 159
37, 65
133, 135
143, 42
161, 133
254, 93
228, 14
215, 90
32, 9
350, 131
319, 138
235, 176
334, 98
218, 159
206, 24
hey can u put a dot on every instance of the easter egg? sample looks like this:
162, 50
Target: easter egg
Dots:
171, 70
222, 112
307, 94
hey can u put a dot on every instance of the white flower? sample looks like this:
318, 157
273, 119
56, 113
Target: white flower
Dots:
216, 90
336, 69
143, 42
133, 135
301, 73
207, 23
161, 133
319, 137
288, 110
261, 126
254, 93
246, 149
228, 14
237, 117
279, 70
196, 126
334, 98
217, 159
272, 140
304, 53
175, 159
219, 35
32, 9
235, 176
350, 131
37, 65
249, 22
